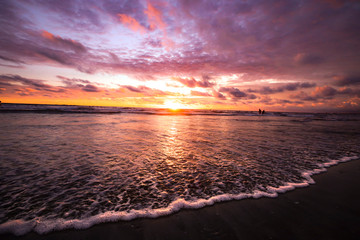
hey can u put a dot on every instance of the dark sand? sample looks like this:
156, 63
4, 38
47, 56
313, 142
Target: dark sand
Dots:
329, 209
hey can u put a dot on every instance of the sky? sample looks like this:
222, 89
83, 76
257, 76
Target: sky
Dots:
279, 55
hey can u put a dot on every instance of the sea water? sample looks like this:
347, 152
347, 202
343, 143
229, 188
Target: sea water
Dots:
72, 167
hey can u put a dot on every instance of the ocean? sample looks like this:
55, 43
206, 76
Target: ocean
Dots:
75, 166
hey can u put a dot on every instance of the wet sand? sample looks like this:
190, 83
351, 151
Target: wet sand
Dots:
329, 209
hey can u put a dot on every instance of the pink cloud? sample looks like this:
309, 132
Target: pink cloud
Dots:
64, 43
154, 17
198, 93
131, 22
191, 82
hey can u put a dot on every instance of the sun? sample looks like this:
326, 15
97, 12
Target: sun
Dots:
173, 105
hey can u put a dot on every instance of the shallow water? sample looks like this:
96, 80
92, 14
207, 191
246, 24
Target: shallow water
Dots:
74, 170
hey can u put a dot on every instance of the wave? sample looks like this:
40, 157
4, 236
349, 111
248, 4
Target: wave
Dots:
67, 109
21, 227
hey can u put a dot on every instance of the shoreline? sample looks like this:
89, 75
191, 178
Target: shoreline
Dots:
328, 209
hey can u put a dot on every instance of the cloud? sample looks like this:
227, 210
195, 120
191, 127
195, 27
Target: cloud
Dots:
269, 101
198, 93
304, 96
250, 39
223, 37
235, 93
347, 81
64, 43
286, 87
308, 59
15, 80
140, 89
131, 23
75, 83
57, 56
326, 93
154, 17
155, 43
192, 83
90, 88
218, 95
10, 59
72, 81
145, 90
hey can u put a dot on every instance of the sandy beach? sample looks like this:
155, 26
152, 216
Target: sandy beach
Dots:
328, 209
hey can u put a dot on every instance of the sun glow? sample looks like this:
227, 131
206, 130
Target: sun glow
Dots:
174, 105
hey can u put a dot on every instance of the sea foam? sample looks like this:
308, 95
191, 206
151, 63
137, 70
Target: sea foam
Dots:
20, 227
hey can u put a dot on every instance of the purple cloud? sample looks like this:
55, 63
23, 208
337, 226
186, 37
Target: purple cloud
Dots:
141, 89
13, 80
234, 93
347, 81
74, 83
286, 87
90, 88
191, 83
218, 95
63, 43
144, 90
280, 39
308, 59
326, 93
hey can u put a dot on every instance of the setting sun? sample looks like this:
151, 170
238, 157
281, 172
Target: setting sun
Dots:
174, 105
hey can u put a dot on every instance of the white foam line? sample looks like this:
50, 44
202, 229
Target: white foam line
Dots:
21, 227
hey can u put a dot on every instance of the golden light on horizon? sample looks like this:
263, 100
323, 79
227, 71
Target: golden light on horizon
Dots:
174, 105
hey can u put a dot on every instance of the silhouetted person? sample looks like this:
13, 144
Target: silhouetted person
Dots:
259, 111
263, 112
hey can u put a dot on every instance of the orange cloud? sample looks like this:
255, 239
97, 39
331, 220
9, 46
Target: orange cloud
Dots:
155, 17
131, 23
47, 35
